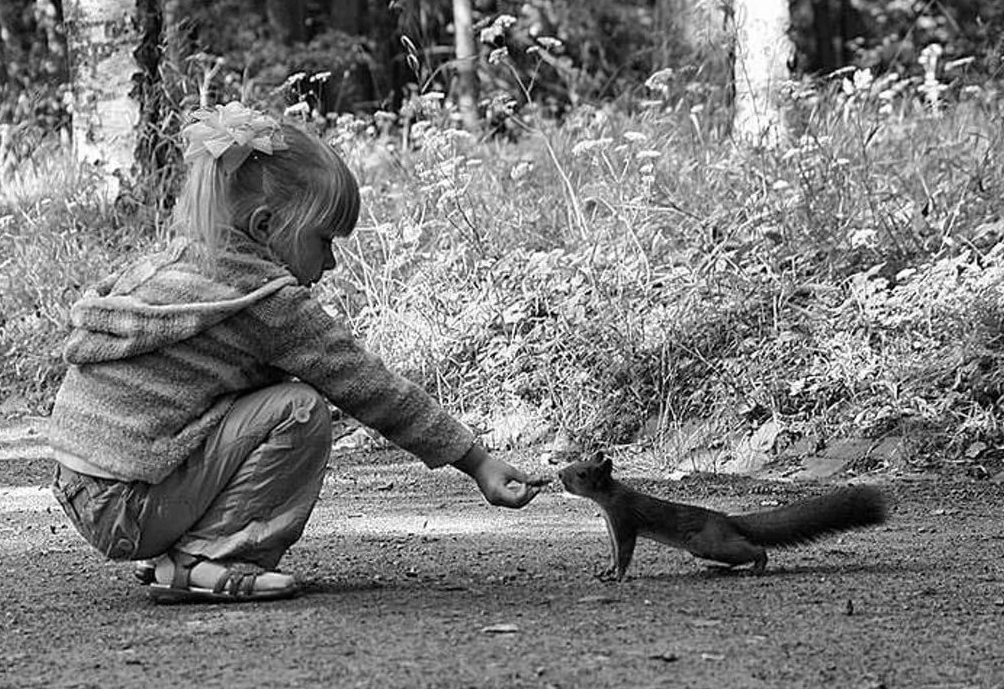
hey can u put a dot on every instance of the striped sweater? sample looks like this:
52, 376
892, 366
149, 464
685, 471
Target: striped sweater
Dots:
159, 352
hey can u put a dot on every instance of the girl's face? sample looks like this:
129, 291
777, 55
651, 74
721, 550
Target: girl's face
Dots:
313, 257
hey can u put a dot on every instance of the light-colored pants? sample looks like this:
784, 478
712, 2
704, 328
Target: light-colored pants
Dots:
246, 497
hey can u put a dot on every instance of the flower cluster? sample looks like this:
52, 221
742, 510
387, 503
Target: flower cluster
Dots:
230, 133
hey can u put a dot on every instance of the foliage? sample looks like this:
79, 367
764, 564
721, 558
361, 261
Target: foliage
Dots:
628, 268
33, 77
56, 238
624, 268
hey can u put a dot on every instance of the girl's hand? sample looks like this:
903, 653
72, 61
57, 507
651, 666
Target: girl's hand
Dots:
501, 483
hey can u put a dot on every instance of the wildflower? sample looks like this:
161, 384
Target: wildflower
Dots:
459, 136
521, 170
646, 154
587, 146
860, 83
660, 81
635, 137
498, 55
931, 88
301, 108
504, 20
491, 34
864, 238
550, 43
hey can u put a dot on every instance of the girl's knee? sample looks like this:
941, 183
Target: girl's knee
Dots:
307, 407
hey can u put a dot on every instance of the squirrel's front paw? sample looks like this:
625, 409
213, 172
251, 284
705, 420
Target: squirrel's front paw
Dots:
608, 574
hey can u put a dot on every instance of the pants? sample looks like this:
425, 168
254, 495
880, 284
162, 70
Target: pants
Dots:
245, 497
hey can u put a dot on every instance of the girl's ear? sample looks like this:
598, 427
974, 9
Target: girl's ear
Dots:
258, 224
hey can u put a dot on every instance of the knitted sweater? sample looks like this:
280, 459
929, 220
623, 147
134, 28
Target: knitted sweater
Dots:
159, 352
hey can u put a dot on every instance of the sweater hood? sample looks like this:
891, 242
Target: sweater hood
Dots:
165, 299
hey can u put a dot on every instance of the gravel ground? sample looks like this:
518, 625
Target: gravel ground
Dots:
412, 581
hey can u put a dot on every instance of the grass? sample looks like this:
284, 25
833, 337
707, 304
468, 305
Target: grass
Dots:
632, 270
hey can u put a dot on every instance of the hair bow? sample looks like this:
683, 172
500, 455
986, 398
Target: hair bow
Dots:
230, 133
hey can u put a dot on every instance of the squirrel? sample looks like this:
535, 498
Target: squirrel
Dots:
728, 539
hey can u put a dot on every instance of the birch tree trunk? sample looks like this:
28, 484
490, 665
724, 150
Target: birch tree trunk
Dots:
467, 74
101, 37
761, 68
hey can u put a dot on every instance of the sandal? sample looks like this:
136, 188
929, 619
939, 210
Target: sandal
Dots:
145, 571
235, 584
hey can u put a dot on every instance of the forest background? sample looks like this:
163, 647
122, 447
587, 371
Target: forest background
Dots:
598, 260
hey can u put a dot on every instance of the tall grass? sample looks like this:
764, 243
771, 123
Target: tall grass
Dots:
631, 270
57, 235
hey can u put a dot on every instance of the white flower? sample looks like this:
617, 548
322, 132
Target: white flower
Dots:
300, 108
498, 55
864, 238
646, 154
521, 170
549, 43
661, 81
635, 137
587, 146
504, 20
490, 34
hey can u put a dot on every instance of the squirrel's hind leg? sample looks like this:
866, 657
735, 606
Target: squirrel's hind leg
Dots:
728, 547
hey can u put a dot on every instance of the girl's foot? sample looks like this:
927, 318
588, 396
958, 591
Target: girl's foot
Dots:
180, 577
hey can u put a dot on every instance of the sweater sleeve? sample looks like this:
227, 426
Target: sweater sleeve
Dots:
302, 339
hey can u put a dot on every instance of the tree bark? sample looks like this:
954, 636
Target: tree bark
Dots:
101, 36
763, 49
467, 66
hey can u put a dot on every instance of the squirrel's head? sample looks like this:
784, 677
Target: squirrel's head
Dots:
589, 477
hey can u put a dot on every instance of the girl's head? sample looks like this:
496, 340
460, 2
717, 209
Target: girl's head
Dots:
294, 200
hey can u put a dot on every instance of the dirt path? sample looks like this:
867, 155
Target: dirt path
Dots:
413, 582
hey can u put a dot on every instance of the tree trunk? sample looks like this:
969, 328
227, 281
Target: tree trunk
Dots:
349, 16
288, 19
467, 66
101, 36
762, 53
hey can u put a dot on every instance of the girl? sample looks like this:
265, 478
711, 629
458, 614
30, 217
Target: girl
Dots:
193, 426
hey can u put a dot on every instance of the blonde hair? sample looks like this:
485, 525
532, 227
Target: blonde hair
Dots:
302, 185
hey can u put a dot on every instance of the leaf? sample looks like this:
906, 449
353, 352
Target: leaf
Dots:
764, 437
974, 450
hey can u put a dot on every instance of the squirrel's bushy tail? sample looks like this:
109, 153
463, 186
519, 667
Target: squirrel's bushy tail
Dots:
847, 508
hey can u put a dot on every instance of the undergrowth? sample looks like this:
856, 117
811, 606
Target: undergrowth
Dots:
628, 273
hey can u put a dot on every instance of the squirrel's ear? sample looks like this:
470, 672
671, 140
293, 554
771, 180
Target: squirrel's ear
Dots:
606, 465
